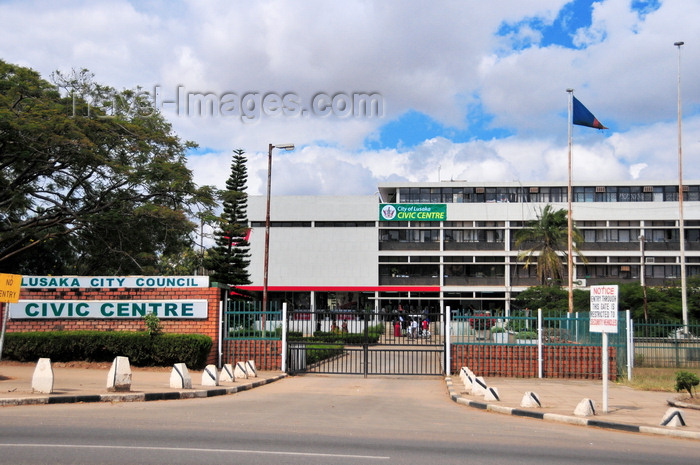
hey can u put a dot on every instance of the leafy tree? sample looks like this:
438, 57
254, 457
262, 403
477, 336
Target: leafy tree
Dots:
229, 258
91, 180
546, 239
663, 303
552, 299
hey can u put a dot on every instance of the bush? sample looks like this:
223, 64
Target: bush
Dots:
526, 335
344, 338
153, 326
317, 353
686, 380
100, 346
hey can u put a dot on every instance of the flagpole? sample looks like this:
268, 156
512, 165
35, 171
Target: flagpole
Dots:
570, 261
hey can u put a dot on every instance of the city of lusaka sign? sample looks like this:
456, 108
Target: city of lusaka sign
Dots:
412, 212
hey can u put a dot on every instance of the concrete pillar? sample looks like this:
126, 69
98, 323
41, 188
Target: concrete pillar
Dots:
210, 376
42, 380
250, 369
239, 371
226, 374
119, 376
180, 377
585, 408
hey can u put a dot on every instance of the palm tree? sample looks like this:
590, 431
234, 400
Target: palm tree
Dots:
547, 240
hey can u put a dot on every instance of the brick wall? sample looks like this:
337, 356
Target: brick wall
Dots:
266, 353
566, 361
208, 327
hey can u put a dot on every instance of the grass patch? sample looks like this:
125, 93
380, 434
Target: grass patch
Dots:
654, 379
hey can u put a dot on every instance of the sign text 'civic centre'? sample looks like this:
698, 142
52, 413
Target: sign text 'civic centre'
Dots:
108, 309
412, 212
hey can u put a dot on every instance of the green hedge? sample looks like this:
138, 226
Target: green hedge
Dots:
317, 353
344, 338
102, 346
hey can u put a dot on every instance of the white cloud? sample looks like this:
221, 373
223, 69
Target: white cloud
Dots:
445, 60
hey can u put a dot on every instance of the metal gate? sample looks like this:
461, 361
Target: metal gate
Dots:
365, 343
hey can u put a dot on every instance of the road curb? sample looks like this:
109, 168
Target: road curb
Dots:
138, 397
456, 397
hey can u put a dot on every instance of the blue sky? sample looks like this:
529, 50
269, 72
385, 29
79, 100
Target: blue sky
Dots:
413, 127
470, 90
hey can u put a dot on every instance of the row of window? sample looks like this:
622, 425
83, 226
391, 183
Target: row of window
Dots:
317, 224
545, 194
498, 235
471, 224
436, 259
451, 272
451, 260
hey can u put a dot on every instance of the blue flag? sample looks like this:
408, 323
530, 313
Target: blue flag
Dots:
583, 117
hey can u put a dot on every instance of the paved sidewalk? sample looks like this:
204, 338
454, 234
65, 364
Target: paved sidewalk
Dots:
90, 385
628, 409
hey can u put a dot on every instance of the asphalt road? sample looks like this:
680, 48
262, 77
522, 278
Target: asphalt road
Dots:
316, 420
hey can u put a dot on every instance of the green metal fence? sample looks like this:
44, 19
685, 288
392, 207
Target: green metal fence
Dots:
665, 344
247, 320
249, 333
569, 348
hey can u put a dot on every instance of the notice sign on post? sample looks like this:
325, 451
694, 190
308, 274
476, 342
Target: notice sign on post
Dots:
603, 309
603, 319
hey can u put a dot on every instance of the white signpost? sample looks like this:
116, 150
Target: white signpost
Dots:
603, 319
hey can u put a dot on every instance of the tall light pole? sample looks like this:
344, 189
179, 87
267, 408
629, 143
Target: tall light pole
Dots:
642, 277
681, 225
267, 222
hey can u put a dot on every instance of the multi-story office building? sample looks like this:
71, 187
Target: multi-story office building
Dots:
453, 243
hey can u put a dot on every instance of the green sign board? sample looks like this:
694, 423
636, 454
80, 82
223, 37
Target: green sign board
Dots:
412, 212
109, 309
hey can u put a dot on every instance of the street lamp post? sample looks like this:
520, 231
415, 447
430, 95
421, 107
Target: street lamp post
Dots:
267, 222
681, 225
642, 277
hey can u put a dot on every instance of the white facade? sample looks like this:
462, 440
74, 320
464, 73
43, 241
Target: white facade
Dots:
327, 244
304, 256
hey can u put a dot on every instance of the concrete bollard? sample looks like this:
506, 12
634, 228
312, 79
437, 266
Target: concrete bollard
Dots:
210, 376
479, 386
226, 374
585, 408
239, 371
530, 400
463, 374
250, 369
180, 377
42, 379
492, 394
673, 418
119, 376
468, 381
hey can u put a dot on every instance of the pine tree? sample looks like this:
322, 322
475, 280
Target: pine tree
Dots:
228, 260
